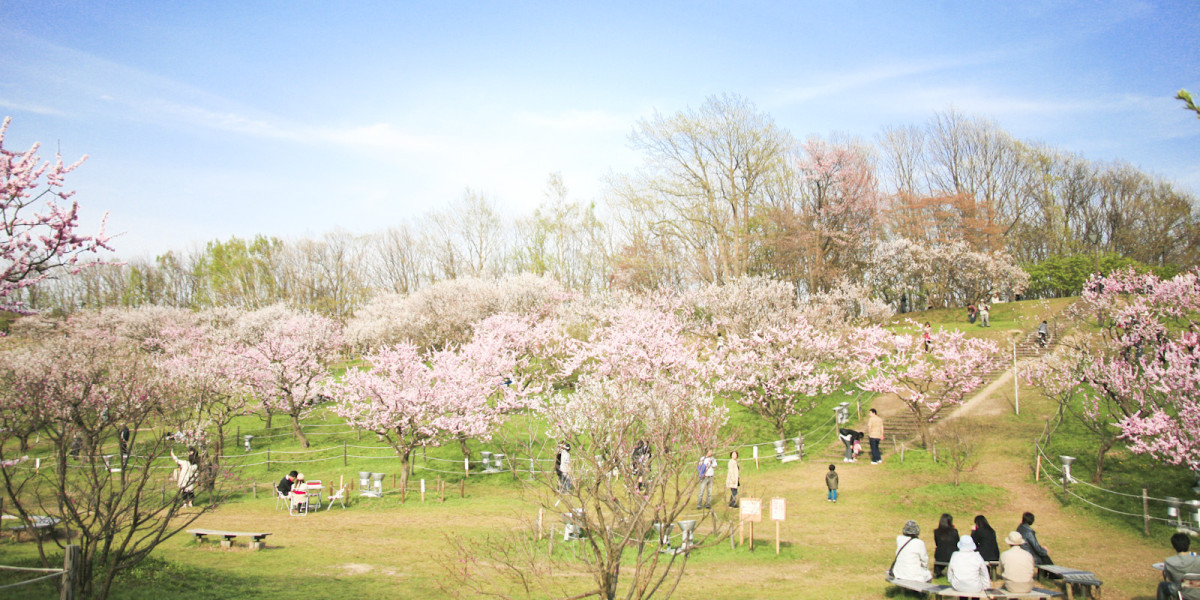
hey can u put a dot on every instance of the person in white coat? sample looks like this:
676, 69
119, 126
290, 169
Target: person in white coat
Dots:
912, 559
967, 571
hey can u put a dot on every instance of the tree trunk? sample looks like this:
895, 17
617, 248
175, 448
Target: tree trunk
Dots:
405, 455
1106, 444
269, 415
462, 445
296, 430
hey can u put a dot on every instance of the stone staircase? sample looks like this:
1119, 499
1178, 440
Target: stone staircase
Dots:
902, 428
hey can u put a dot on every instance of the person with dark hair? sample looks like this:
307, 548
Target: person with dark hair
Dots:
1043, 333
186, 478
285, 485
562, 466
831, 482
985, 539
1041, 554
945, 541
1175, 567
927, 335
912, 559
875, 436
849, 437
733, 479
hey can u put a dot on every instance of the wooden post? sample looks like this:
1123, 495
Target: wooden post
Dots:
70, 576
755, 457
539, 524
344, 463
934, 450
1037, 476
422, 490
254, 490
462, 488
776, 538
1146, 509
752, 536
902, 452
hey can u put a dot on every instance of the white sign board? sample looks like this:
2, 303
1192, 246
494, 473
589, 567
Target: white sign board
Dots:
751, 510
778, 509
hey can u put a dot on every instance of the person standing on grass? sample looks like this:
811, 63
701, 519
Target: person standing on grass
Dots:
562, 467
875, 436
733, 479
985, 315
831, 482
186, 480
707, 471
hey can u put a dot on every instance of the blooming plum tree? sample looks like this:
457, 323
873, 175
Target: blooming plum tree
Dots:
778, 372
86, 383
37, 234
289, 354
929, 381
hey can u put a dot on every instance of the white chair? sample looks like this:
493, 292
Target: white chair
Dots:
299, 504
281, 499
340, 496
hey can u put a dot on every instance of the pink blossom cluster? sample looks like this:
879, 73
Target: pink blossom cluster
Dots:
37, 234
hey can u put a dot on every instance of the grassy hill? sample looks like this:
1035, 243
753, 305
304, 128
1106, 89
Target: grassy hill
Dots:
378, 548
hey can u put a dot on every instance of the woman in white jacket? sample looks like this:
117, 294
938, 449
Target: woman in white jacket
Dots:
967, 571
912, 559
186, 478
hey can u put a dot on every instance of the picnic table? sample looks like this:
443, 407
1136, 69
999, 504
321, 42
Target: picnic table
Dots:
257, 540
935, 590
39, 523
1072, 578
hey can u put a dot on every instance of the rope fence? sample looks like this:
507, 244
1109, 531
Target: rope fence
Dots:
1175, 505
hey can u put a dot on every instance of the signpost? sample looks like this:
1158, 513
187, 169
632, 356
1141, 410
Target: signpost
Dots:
751, 512
778, 514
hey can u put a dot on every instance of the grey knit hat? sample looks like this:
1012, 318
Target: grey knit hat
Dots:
911, 529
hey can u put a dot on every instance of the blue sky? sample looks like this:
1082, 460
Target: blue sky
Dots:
214, 119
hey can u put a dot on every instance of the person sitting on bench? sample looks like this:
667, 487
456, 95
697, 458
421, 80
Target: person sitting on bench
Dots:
1175, 567
1016, 565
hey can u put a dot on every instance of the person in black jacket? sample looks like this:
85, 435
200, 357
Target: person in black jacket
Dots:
285, 485
1041, 554
945, 539
985, 539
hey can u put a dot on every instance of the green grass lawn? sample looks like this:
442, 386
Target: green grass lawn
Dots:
380, 548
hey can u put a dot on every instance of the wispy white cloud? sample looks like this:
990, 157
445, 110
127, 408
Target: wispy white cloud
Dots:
833, 84
38, 109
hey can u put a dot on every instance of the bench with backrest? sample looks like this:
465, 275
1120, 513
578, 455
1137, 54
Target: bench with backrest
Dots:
935, 590
257, 540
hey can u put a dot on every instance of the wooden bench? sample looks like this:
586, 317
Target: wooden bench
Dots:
257, 540
935, 590
1087, 581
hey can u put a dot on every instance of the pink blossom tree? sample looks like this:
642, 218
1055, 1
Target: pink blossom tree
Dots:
414, 399
86, 382
779, 372
37, 234
929, 382
1148, 361
289, 353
